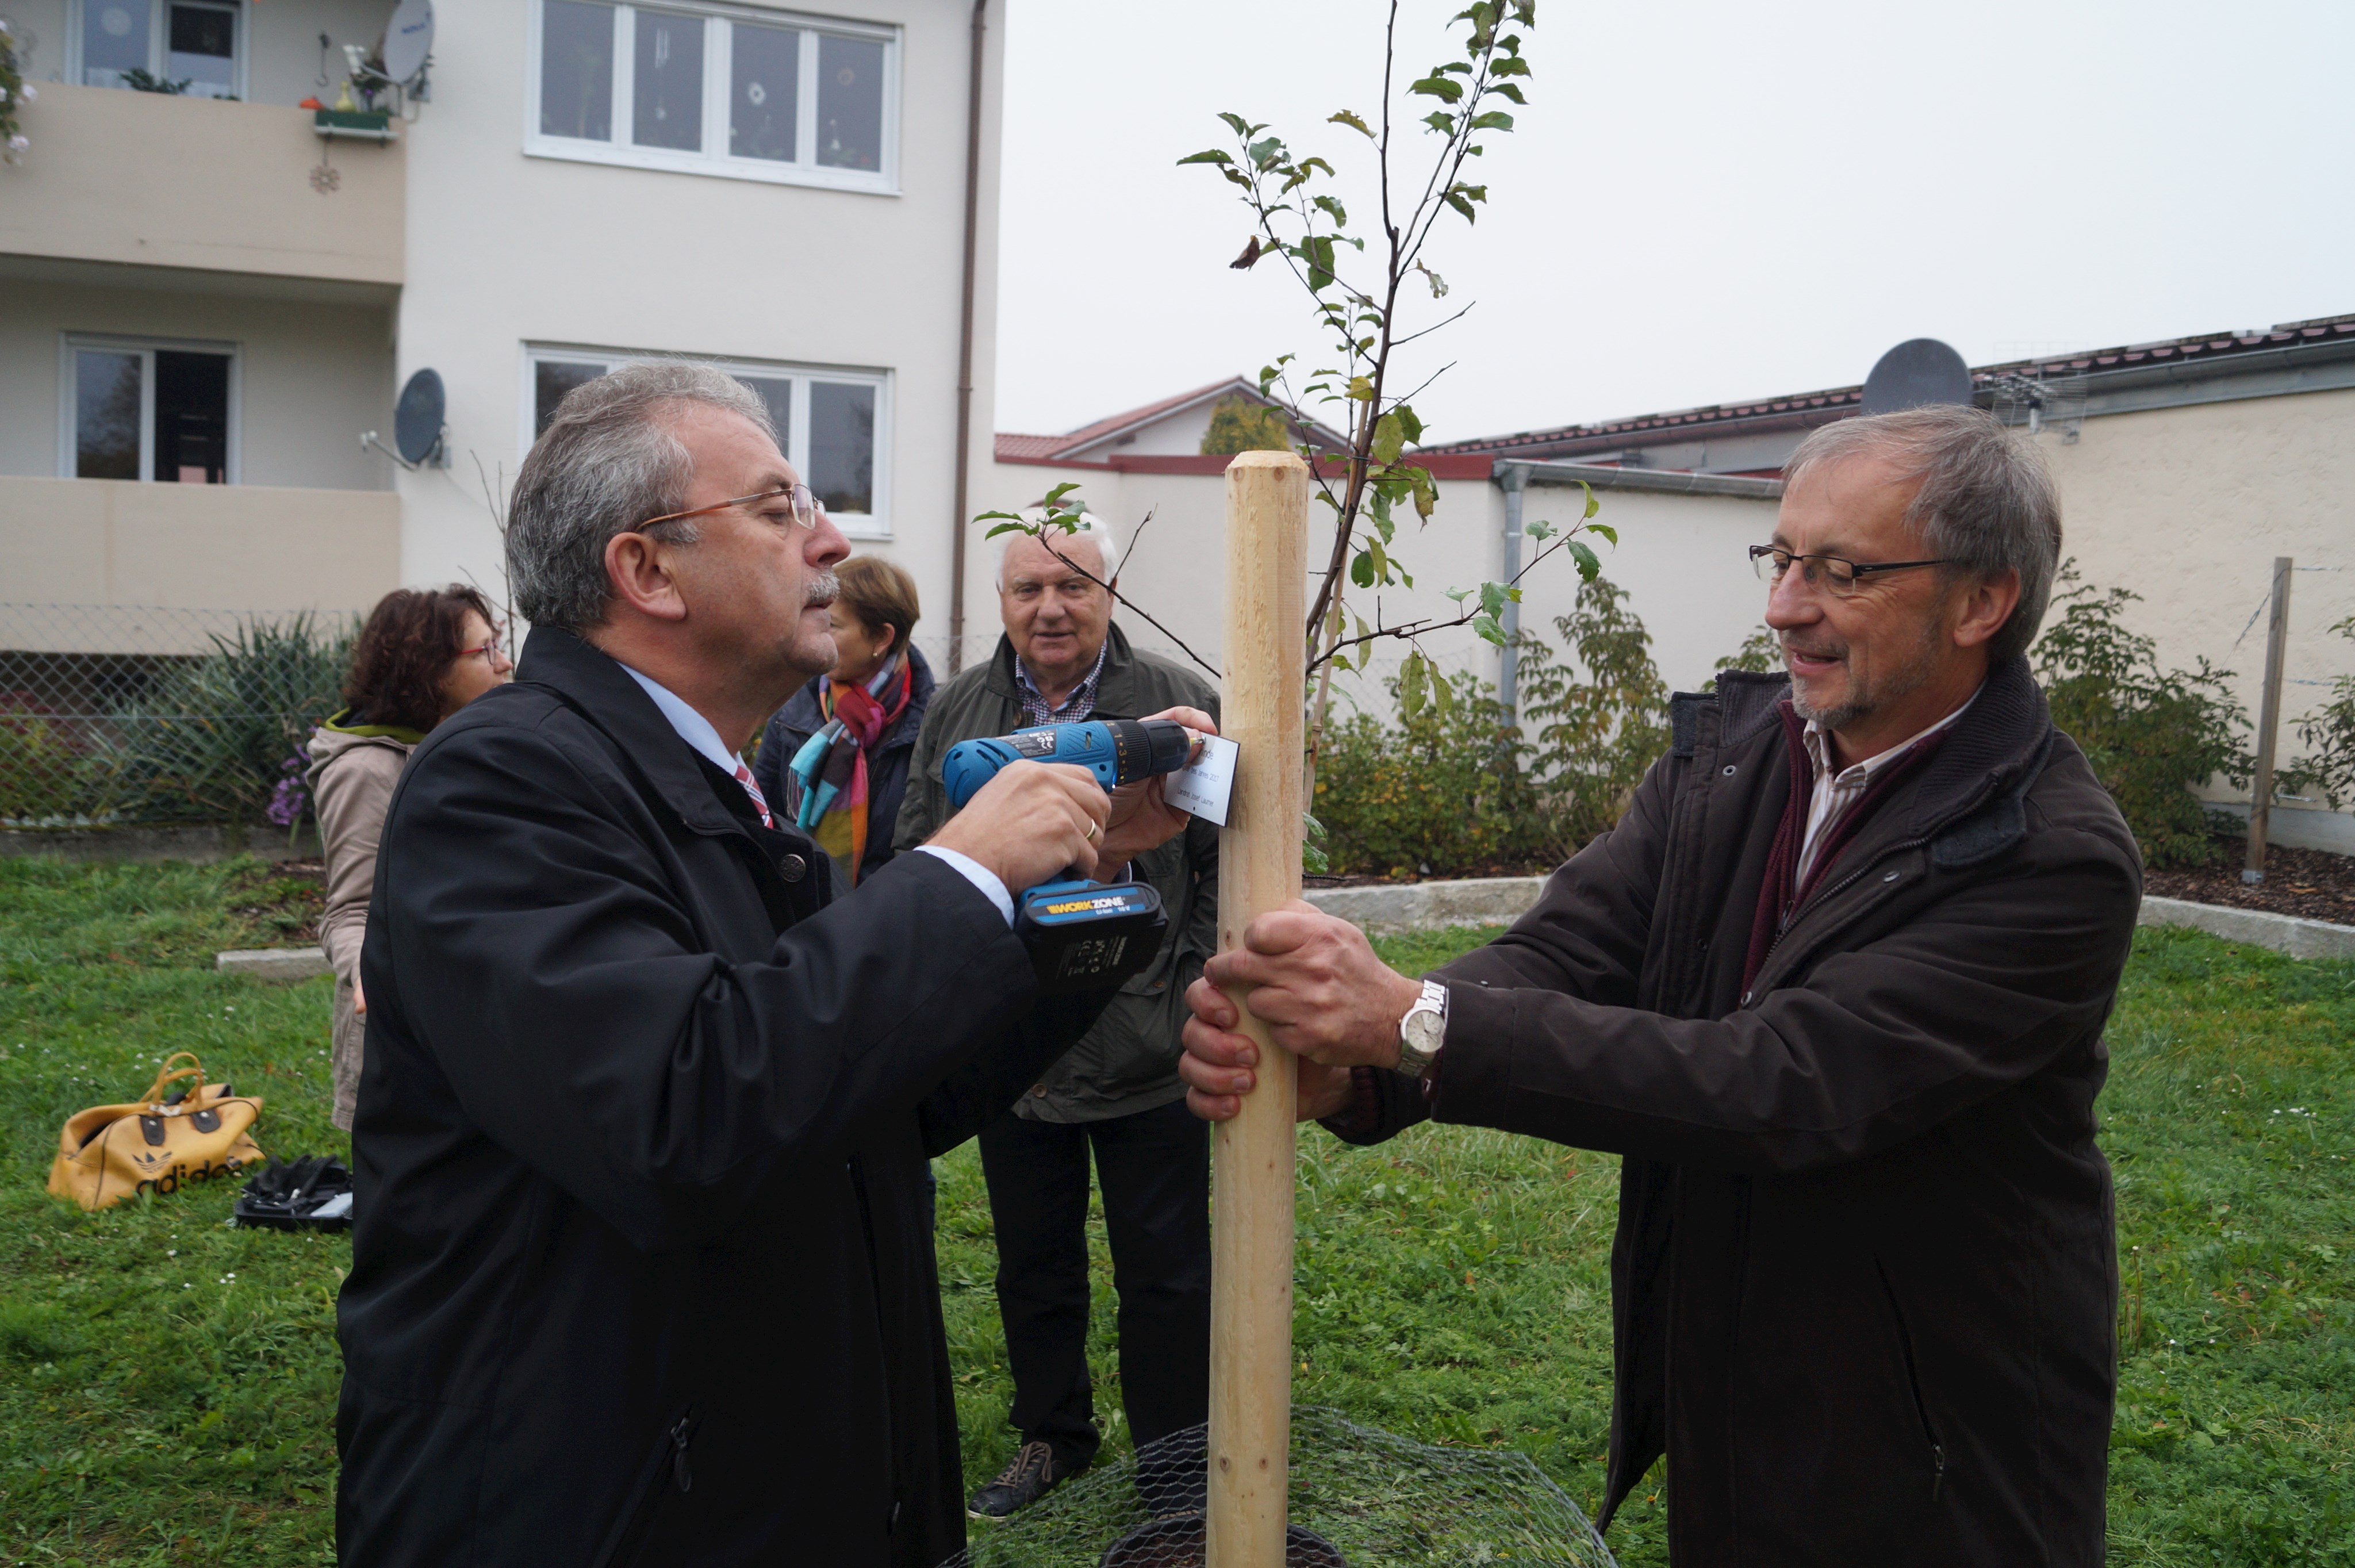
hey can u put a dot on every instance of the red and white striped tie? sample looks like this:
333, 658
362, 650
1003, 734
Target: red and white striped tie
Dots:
744, 777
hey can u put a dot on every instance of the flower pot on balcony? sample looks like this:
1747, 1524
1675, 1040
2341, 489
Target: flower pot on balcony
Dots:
362, 124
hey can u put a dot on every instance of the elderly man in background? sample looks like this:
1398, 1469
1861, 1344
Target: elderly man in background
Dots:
1834, 987
641, 1272
1117, 1093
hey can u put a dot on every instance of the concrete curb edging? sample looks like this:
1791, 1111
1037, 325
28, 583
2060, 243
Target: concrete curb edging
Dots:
275, 963
2283, 932
1391, 908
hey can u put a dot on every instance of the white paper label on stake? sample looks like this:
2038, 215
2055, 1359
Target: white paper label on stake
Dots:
1203, 787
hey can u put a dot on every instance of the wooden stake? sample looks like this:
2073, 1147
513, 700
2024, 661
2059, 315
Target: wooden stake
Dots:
2261, 799
1259, 870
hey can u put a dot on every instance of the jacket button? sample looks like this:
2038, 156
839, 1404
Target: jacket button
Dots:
1039, 1091
1891, 877
1745, 998
1727, 770
794, 867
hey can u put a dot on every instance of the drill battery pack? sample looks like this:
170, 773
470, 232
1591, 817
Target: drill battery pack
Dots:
1088, 936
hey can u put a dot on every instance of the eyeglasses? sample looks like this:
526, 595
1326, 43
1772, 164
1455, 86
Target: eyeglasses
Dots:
801, 507
1829, 571
488, 650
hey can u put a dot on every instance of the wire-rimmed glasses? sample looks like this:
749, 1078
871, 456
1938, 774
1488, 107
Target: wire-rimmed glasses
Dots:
801, 507
1835, 573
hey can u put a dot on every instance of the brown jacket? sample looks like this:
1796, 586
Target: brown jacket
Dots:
1864, 1287
351, 774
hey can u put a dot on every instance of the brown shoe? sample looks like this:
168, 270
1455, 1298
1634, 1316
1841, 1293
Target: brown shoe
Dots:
1034, 1473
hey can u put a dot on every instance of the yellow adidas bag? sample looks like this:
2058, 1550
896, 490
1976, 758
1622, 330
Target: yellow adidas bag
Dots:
108, 1153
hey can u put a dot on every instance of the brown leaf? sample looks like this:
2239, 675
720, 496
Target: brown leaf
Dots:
1242, 263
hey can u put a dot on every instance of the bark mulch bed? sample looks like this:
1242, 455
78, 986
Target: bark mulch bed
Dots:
2312, 884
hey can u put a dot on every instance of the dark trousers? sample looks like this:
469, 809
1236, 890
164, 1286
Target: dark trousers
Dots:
1154, 1169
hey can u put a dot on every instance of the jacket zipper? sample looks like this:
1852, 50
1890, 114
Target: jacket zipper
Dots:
670, 1464
1914, 1386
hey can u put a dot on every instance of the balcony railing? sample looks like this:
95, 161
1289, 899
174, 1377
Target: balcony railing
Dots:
214, 546
161, 181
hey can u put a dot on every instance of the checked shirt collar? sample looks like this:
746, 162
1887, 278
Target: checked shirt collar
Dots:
1074, 708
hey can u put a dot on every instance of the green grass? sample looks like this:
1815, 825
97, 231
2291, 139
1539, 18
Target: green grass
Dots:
1451, 1285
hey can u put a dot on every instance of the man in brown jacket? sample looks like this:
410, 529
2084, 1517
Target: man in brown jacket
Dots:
1835, 988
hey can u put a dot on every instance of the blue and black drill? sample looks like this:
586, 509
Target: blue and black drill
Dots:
1083, 935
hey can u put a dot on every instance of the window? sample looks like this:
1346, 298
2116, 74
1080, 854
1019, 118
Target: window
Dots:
710, 91
143, 410
832, 425
192, 46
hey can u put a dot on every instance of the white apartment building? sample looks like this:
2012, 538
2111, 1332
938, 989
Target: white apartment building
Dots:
205, 302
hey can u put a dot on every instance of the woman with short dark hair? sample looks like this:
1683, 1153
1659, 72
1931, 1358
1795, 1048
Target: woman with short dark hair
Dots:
837, 755
423, 655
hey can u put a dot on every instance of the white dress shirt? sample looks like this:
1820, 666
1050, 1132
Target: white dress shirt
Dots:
697, 731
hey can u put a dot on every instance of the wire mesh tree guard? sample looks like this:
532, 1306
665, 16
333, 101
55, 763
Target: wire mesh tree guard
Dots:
1356, 1495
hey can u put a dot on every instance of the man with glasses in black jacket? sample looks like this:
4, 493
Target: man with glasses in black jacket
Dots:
640, 1269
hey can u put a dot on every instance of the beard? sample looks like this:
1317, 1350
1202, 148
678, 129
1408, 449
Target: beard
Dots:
1865, 698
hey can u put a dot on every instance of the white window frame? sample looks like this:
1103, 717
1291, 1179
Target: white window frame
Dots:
874, 525
70, 399
718, 79
159, 37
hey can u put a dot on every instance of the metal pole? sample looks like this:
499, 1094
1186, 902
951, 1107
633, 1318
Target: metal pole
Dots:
978, 49
1259, 870
2261, 799
1515, 479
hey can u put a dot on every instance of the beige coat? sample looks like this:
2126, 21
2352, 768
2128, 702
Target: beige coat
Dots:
351, 778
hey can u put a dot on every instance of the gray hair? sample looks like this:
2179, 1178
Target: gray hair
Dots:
1092, 528
607, 462
1987, 500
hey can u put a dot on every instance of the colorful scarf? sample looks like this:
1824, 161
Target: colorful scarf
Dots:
832, 764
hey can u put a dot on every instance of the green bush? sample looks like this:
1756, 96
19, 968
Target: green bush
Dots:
43, 776
1440, 793
2329, 735
1600, 719
2152, 735
217, 738
1238, 424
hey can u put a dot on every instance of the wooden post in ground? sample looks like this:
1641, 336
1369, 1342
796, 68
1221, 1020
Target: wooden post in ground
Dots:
2261, 798
1259, 869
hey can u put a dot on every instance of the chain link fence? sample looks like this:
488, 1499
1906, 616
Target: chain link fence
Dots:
123, 714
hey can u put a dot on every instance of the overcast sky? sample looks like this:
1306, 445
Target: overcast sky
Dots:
1703, 202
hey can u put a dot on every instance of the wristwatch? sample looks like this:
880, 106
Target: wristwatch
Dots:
1423, 1030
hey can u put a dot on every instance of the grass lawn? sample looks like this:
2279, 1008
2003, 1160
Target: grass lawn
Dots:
167, 1382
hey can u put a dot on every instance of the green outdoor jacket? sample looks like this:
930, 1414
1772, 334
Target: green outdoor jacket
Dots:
1128, 1063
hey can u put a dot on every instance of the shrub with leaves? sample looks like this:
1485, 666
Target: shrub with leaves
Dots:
1238, 424
210, 740
1761, 653
1600, 719
2152, 735
1441, 792
2329, 736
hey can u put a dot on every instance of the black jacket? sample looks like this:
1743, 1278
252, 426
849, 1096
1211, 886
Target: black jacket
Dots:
1865, 1287
887, 763
641, 1272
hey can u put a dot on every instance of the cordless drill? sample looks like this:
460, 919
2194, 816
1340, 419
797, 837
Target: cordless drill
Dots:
1083, 935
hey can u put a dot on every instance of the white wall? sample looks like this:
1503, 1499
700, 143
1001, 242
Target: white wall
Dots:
311, 376
506, 249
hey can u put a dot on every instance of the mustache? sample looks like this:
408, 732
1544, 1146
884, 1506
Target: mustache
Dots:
823, 589
1831, 651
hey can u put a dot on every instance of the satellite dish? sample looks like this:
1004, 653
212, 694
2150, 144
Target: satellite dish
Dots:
406, 40
417, 418
1917, 371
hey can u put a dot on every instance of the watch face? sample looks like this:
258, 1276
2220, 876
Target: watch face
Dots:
1424, 1032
